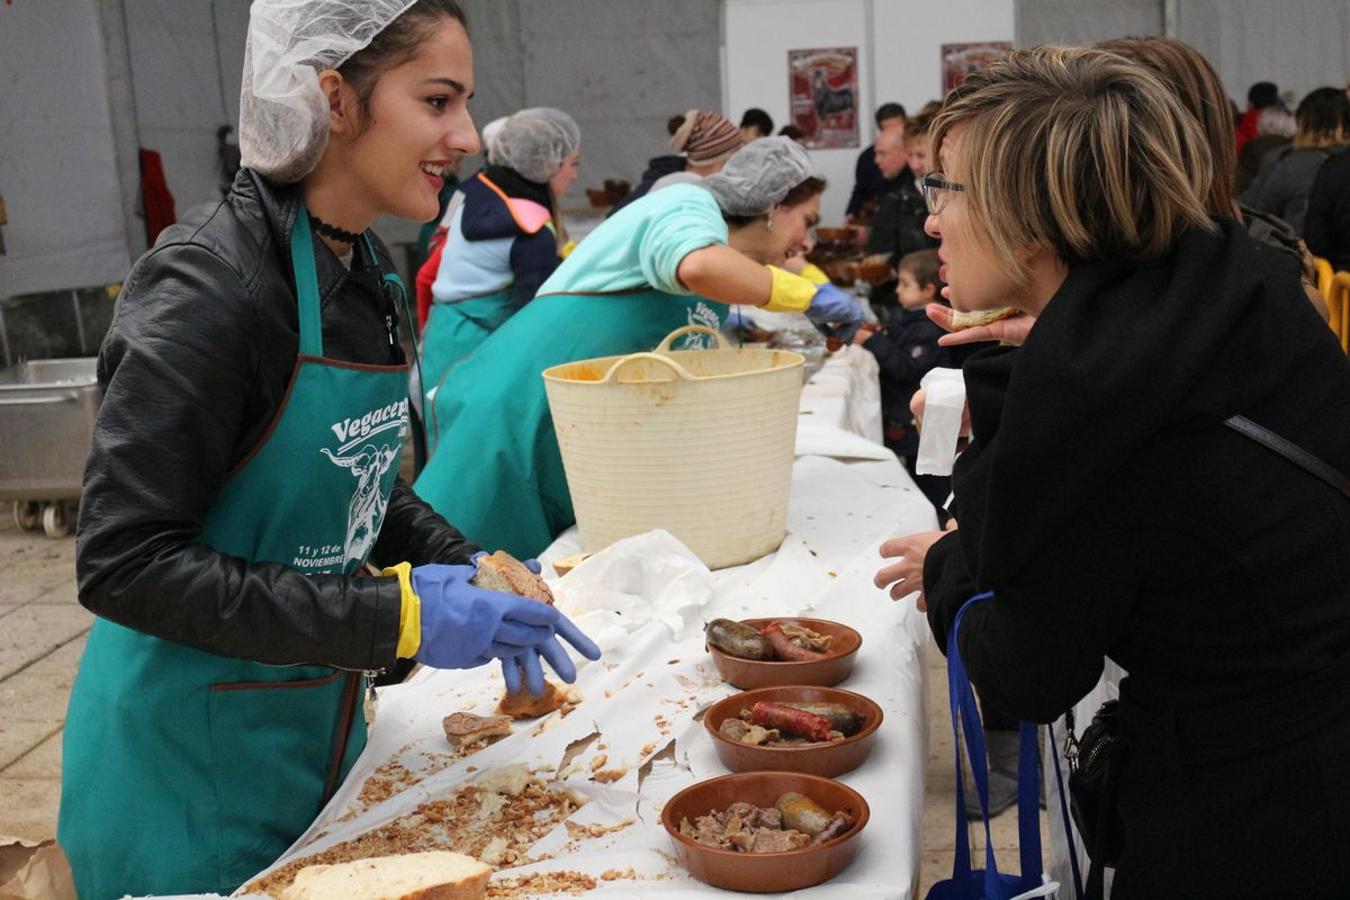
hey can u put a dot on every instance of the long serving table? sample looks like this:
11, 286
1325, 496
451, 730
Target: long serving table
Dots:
645, 600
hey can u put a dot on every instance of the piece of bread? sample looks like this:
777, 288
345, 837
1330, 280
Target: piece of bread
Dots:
436, 875
963, 320
463, 728
503, 572
524, 705
568, 563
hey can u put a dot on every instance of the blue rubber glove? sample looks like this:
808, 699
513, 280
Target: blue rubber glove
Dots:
465, 626
552, 652
830, 304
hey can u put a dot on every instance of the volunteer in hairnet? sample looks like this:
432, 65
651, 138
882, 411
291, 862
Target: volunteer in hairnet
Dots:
244, 467
504, 237
675, 257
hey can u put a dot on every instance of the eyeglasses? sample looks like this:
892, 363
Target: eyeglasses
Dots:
935, 187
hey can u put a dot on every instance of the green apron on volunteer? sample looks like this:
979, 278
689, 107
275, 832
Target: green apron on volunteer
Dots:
218, 703
675, 257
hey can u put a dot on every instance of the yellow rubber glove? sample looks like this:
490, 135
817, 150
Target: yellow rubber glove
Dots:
567, 249
790, 293
410, 614
812, 273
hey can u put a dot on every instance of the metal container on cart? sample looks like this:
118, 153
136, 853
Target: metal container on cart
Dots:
47, 410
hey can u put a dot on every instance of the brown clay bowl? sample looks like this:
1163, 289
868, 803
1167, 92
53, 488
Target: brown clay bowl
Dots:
764, 873
825, 760
834, 667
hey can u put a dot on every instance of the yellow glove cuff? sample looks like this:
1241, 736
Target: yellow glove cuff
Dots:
567, 249
410, 614
790, 293
813, 273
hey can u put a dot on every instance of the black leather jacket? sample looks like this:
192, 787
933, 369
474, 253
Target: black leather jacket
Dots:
194, 368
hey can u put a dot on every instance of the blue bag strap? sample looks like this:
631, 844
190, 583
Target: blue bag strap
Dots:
966, 718
1064, 811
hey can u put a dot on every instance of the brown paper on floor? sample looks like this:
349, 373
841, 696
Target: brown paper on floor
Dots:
33, 871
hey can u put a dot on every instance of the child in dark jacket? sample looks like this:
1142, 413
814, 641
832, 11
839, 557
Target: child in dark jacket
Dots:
906, 349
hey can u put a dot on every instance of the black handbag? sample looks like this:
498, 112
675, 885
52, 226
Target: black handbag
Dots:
1095, 758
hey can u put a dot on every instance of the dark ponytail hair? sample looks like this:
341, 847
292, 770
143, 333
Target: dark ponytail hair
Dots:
395, 45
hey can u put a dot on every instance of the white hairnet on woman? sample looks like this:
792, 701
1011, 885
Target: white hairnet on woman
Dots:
283, 114
490, 132
759, 176
534, 142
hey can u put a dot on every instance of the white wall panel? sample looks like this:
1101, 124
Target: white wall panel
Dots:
58, 172
759, 34
909, 36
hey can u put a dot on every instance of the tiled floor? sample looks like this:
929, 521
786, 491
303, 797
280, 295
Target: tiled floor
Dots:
42, 634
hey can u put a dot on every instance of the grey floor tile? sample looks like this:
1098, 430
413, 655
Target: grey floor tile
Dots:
30, 633
35, 697
17, 738
43, 761
65, 660
66, 592
30, 807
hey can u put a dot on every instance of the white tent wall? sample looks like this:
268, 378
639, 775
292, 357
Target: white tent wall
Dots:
1077, 22
186, 64
908, 39
58, 167
1298, 44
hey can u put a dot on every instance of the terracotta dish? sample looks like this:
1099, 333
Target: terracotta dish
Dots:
826, 760
876, 271
829, 670
764, 873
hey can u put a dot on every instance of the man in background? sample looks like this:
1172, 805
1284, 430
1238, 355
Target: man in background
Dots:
868, 182
755, 124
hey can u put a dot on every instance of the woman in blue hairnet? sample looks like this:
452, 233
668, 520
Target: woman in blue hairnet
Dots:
244, 467
673, 258
504, 236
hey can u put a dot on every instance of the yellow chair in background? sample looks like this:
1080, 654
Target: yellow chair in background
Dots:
1324, 275
1338, 302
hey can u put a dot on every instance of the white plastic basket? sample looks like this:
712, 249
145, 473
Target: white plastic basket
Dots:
697, 442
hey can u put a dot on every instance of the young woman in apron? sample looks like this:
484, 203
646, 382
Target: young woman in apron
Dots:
245, 467
676, 257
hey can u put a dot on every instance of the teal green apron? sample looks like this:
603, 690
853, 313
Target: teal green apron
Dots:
496, 471
186, 772
455, 330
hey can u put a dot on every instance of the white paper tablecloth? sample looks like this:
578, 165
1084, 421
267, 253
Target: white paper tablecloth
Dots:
839, 513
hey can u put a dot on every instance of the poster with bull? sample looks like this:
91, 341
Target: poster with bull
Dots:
960, 61
823, 91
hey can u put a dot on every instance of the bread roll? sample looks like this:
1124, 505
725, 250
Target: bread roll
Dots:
463, 728
963, 320
503, 572
568, 563
524, 705
437, 875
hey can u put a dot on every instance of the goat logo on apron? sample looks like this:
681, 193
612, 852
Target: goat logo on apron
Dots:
368, 451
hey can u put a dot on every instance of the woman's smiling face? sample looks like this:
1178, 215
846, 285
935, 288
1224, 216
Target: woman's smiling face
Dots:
417, 123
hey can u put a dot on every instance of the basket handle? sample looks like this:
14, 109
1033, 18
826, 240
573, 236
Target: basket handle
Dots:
664, 346
612, 376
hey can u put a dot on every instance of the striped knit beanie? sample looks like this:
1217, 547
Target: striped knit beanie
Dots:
706, 137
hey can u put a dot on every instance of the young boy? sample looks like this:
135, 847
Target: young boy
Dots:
906, 350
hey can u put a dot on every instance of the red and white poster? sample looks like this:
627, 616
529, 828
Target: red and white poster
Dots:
823, 93
960, 61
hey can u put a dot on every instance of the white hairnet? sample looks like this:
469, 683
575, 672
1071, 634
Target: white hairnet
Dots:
283, 114
535, 142
490, 131
759, 175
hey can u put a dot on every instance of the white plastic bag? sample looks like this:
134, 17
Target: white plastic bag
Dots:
944, 402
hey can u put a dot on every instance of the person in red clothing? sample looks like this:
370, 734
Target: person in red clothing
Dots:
1259, 96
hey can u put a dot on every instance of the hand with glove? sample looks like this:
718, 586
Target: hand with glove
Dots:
820, 302
448, 623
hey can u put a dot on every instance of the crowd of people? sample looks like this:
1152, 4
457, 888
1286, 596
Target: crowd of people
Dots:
244, 470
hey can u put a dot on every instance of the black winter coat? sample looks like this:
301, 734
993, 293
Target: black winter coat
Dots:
195, 367
658, 167
905, 351
1112, 515
1326, 228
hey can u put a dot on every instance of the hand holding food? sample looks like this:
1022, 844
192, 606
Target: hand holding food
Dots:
1005, 325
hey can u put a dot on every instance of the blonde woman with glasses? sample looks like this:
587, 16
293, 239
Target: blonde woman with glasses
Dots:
1106, 505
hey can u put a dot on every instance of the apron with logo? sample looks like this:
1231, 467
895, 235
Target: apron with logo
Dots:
187, 772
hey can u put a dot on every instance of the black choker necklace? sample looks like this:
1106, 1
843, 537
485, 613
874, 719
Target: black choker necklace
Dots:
332, 231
